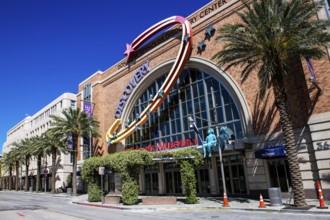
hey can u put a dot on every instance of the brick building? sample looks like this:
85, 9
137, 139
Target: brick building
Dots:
255, 158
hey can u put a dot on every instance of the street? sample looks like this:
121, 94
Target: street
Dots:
20, 205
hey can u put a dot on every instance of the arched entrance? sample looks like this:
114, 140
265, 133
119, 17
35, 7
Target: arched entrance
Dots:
201, 91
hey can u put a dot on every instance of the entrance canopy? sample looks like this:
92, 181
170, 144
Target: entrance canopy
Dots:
271, 152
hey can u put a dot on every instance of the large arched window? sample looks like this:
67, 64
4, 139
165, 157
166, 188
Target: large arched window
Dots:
192, 95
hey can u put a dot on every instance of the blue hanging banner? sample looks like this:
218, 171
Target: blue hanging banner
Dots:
88, 108
271, 152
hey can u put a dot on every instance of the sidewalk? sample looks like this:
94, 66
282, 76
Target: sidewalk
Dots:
235, 203
209, 203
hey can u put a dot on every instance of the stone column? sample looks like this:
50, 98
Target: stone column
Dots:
161, 179
319, 126
142, 181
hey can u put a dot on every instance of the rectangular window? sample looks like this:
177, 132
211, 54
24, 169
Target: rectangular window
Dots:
87, 93
327, 8
85, 148
73, 104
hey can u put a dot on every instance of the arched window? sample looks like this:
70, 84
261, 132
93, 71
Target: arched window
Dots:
193, 95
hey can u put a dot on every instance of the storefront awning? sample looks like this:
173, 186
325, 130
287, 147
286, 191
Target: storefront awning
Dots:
271, 152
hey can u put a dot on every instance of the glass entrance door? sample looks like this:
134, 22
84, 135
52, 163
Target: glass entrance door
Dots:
173, 182
234, 174
279, 175
151, 179
151, 183
227, 179
238, 178
173, 178
203, 181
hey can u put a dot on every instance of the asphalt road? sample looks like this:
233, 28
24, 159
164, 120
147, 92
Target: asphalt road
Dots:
18, 205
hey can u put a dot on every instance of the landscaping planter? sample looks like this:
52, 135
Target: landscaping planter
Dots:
158, 200
112, 199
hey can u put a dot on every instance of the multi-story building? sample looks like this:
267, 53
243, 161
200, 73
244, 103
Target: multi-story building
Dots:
214, 98
37, 124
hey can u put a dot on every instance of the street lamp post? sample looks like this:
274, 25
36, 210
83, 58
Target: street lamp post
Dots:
193, 125
219, 147
88, 107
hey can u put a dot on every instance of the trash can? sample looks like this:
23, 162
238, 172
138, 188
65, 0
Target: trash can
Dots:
31, 189
275, 196
69, 191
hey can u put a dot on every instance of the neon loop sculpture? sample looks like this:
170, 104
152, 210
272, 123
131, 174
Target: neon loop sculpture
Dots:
184, 52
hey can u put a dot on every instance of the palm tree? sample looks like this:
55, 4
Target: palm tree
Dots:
53, 145
37, 150
75, 123
272, 33
1, 167
25, 151
8, 162
17, 158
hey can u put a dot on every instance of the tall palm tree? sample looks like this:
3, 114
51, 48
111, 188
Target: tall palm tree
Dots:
272, 33
75, 123
8, 162
53, 145
25, 151
37, 150
17, 158
1, 168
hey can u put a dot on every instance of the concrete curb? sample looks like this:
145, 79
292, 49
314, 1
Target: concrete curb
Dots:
161, 208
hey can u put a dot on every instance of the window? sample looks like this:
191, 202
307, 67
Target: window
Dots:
87, 93
327, 8
193, 94
73, 104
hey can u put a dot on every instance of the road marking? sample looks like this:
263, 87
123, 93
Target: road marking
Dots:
20, 214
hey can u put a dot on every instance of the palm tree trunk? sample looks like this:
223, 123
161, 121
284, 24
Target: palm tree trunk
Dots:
38, 173
74, 174
74, 167
289, 139
17, 175
26, 174
10, 181
53, 169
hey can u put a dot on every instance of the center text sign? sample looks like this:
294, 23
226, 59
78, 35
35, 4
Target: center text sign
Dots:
144, 69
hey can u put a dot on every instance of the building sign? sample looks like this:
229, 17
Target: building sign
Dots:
159, 40
323, 145
213, 8
113, 136
144, 69
101, 170
208, 10
167, 146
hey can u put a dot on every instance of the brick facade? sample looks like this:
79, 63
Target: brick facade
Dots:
304, 100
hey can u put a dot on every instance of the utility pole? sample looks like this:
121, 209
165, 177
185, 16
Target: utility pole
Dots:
219, 145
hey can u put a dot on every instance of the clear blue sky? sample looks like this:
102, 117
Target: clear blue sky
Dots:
47, 47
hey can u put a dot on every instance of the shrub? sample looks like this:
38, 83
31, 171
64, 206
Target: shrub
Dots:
130, 192
90, 174
94, 192
69, 181
188, 159
128, 163
189, 181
